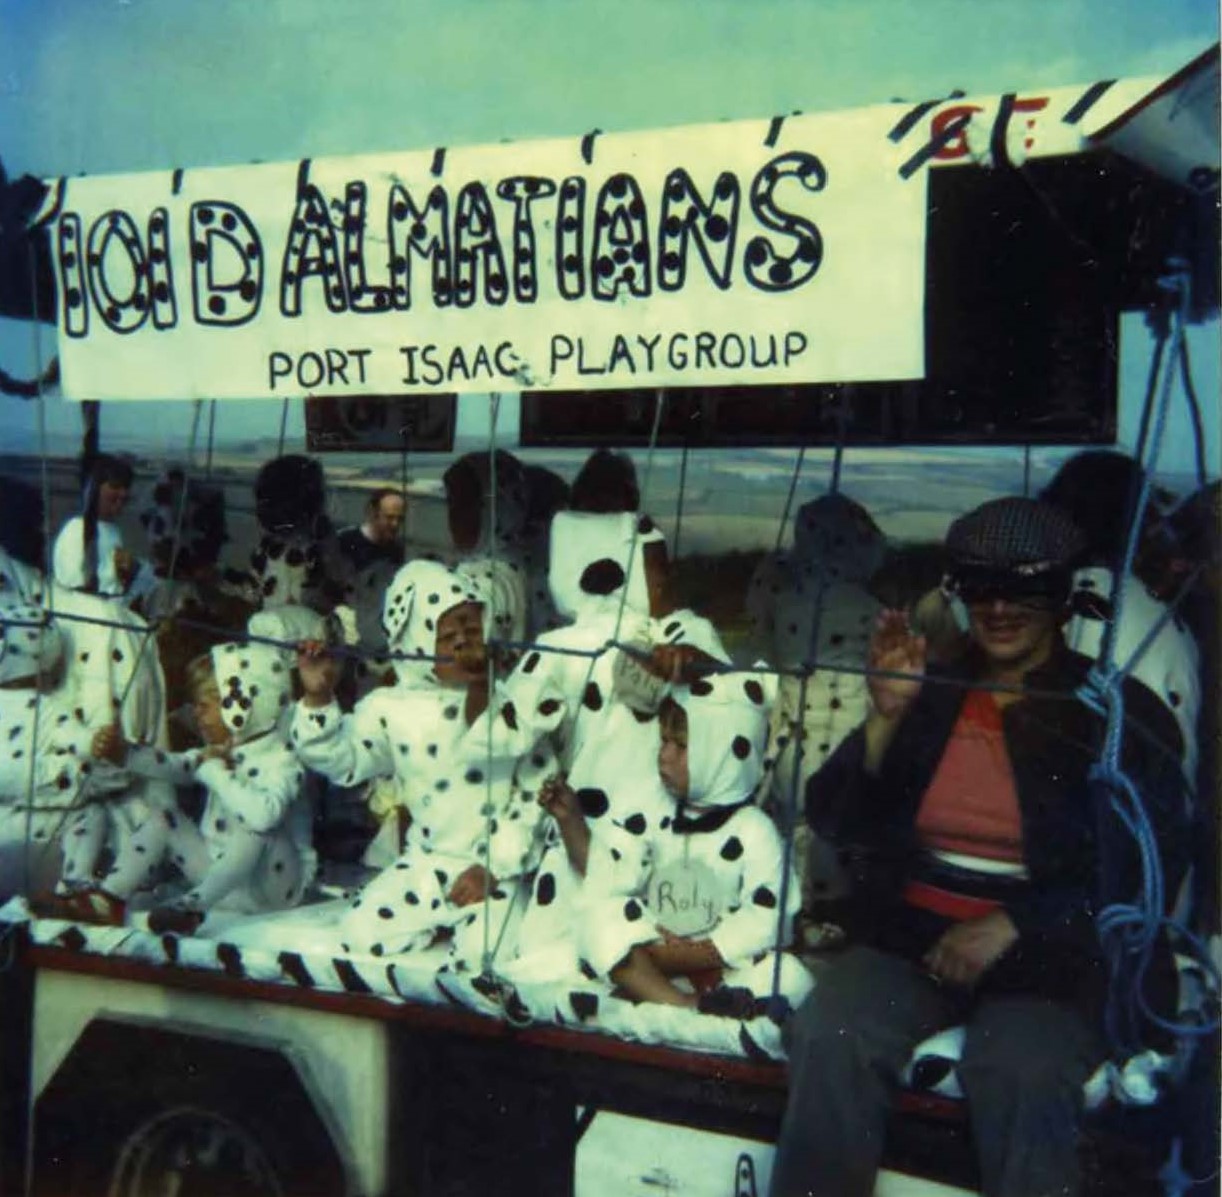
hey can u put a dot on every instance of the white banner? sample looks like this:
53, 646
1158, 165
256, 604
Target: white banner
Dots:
781, 251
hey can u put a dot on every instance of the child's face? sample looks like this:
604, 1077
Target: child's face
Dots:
208, 714
672, 760
460, 636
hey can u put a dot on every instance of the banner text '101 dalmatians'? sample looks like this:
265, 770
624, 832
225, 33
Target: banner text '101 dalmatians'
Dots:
780, 251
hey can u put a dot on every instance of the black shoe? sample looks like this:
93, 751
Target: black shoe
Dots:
177, 920
729, 1001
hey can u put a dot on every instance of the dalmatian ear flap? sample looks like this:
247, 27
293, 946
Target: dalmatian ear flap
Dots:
761, 687
397, 610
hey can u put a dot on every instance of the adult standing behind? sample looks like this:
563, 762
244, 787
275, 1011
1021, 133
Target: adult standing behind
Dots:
379, 536
89, 554
969, 790
107, 653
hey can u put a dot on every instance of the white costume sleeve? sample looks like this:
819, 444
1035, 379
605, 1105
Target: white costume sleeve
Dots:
348, 749
258, 795
751, 924
60, 755
178, 768
525, 707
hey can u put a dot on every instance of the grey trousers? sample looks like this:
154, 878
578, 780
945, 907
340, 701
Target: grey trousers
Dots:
1024, 1063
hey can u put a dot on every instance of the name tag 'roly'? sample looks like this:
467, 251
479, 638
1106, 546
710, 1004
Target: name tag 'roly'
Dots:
685, 897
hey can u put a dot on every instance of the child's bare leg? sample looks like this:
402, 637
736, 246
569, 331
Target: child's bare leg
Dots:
640, 977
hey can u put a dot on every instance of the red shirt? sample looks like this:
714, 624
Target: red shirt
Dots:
971, 805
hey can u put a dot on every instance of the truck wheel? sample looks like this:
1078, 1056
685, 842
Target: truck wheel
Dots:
139, 1110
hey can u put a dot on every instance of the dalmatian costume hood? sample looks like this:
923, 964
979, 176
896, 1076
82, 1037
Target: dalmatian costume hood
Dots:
835, 537
255, 687
421, 593
727, 730
837, 548
186, 511
590, 562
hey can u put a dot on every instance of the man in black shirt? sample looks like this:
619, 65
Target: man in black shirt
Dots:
379, 537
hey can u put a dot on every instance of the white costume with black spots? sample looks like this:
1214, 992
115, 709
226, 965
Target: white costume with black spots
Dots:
715, 850
114, 674
19, 583
608, 747
1169, 665
812, 604
252, 849
44, 756
69, 564
470, 798
503, 585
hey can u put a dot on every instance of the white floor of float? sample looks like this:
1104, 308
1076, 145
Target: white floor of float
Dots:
619, 1156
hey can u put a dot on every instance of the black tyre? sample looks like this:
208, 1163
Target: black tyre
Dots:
138, 1110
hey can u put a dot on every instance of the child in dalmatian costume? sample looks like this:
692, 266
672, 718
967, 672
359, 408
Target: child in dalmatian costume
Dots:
113, 672
609, 738
107, 650
252, 849
837, 547
44, 755
453, 752
705, 903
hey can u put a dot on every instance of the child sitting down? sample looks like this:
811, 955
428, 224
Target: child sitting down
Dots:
473, 831
251, 851
710, 905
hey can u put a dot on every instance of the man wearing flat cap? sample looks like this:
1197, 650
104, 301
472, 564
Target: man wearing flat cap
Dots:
984, 855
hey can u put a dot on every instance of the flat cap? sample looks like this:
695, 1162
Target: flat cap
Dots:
1016, 534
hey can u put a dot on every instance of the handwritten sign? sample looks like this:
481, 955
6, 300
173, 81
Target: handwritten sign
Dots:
778, 251
686, 897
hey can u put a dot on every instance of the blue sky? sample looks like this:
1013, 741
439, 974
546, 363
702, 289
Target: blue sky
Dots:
121, 85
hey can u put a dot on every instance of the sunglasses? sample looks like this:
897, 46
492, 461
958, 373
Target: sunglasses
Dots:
1040, 592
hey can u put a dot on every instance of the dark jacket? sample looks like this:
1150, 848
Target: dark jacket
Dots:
1078, 856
